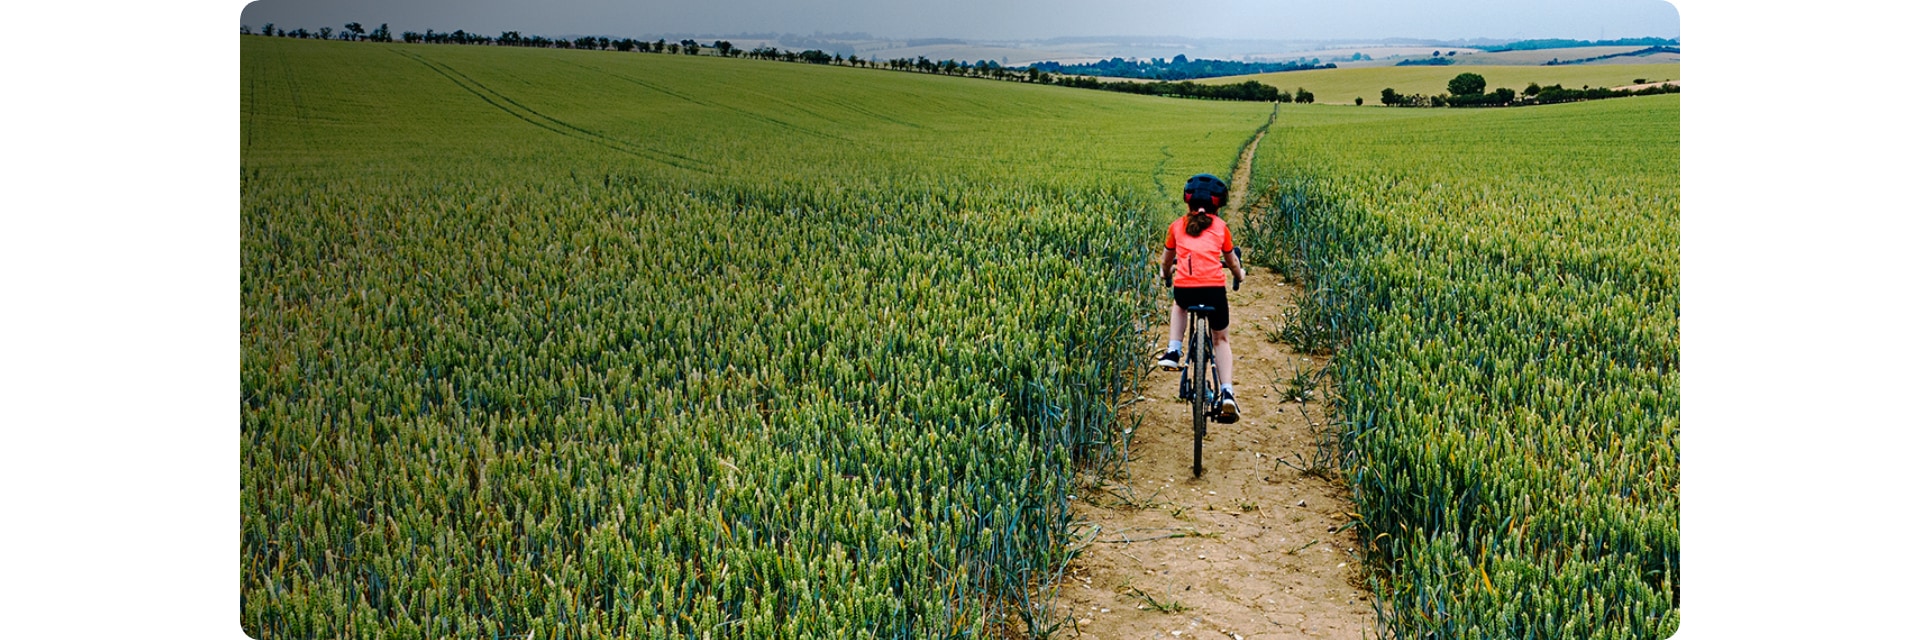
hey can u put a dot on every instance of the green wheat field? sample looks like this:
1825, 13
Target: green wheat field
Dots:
575, 344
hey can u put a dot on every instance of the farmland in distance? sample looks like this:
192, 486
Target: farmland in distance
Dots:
544, 343
1341, 86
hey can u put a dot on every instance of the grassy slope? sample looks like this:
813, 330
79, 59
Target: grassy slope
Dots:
542, 342
1341, 86
1505, 288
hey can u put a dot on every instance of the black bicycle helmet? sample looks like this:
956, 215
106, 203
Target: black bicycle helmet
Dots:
1205, 190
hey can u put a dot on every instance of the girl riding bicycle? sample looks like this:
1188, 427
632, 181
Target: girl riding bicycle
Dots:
1197, 245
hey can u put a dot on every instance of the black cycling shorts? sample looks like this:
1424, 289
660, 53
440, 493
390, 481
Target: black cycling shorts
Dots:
1215, 297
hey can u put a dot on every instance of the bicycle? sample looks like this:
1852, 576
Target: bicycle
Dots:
1199, 380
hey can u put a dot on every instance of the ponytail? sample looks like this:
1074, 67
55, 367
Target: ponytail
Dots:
1197, 222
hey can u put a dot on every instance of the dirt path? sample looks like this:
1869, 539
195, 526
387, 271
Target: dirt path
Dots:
1253, 548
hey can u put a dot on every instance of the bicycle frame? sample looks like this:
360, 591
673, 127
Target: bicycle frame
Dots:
1199, 381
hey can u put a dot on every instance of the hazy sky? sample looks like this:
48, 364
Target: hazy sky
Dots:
998, 19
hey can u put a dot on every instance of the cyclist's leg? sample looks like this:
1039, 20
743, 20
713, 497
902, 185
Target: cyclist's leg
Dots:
1217, 321
1223, 358
1176, 330
1176, 322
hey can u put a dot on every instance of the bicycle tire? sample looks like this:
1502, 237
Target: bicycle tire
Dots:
1202, 391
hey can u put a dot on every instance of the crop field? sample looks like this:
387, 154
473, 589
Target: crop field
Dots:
1341, 86
1500, 289
560, 344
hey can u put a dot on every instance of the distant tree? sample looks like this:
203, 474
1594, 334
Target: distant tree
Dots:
266, 29
326, 33
1436, 53
357, 31
605, 43
1389, 97
660, 45
1356, 101
1303, 96
381, 34
246, 30
673, 48
1533, 89
853, 60
1506, 95
1467, 84
725, 48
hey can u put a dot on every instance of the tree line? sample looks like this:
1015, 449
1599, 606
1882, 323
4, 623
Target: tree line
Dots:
1562, 43
353, 32
1470, 90
1639, 52
987, 69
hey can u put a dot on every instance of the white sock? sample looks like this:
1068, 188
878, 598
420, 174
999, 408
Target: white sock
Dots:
1226, 389
1173, 345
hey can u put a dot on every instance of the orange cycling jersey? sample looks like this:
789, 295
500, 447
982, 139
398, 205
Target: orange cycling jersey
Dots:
1197, 258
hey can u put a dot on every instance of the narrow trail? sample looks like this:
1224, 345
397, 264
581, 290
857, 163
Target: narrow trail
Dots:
1251, 549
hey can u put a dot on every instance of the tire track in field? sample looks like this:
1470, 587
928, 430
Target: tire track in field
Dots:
713, 105
1251, 549
856, 107
551, 123
299, 112
1160, 169
252, 118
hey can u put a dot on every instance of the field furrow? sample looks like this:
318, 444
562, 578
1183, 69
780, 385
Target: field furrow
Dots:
519, 111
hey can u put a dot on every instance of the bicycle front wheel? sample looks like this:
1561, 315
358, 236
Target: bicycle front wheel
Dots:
1202, 394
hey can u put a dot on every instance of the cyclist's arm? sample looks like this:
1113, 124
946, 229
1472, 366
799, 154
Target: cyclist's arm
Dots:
1166, 263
